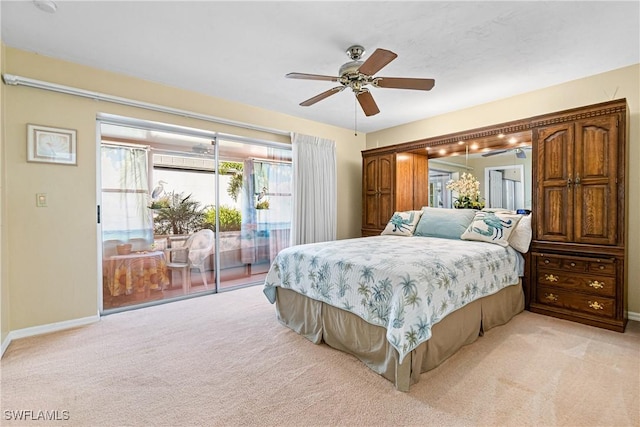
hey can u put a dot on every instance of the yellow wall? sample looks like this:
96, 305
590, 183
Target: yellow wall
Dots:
4, 287
621, 83
51, 267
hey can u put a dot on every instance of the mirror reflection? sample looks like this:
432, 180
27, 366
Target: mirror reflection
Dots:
504, 174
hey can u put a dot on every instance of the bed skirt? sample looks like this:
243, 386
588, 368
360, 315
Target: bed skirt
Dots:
320, 322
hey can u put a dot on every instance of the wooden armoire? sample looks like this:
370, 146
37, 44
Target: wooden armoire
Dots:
391, 181
578, 249
577, 262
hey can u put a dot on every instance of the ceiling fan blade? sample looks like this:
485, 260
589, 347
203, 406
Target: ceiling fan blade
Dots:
322, 96
304, 76
367, 103
404, 83
377, 61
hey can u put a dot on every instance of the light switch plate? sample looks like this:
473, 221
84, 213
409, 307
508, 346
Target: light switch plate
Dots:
41, 200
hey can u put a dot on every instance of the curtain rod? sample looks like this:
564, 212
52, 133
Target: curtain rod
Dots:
14, 80
275, 162
125, 144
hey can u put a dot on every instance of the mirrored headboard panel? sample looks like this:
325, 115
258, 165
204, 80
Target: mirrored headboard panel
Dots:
499, 156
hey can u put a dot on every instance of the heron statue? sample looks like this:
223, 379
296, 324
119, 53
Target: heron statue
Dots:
263, 193
157, 192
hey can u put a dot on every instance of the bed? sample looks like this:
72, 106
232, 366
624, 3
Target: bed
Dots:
401, 304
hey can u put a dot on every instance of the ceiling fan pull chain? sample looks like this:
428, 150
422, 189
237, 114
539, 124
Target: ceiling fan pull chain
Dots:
355, 116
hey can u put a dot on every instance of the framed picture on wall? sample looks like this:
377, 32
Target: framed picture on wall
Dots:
47, 144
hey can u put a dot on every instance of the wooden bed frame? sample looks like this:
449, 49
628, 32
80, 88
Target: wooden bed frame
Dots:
320, 322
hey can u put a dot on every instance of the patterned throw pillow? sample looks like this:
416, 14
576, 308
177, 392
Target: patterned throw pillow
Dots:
520, 238
402, 223
492, 227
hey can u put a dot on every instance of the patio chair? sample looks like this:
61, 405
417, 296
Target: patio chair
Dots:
192, 254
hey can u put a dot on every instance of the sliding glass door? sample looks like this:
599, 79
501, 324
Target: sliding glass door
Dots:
256, 226
185, 214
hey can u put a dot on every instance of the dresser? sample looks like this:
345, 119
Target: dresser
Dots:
578, 251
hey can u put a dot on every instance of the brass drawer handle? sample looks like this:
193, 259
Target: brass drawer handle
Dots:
551, 278
595, 284
552, 297
595, 305
573, 264
546, 261
601, 267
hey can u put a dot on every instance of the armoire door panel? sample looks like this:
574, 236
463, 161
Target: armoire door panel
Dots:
595, 216
555, 148
370, 211
370, 175
596, 180
378, 183
386, 172
386, 209
553, 224
596, 147
555, 182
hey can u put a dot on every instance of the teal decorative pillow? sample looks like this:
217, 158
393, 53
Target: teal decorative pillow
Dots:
492, 227
402, 223
444, 223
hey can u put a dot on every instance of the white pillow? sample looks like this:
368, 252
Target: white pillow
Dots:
520, 238
402, 223
492, 227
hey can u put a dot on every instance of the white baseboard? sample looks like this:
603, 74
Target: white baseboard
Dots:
45, 329
5, 344
633, 316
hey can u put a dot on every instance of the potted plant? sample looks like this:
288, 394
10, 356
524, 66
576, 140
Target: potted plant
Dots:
468, 189
177, 214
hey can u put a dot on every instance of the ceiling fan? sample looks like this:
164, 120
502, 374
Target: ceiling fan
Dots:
519, 152
357, 74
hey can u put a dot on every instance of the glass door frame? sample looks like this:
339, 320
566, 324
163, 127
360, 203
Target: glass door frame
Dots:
215, 137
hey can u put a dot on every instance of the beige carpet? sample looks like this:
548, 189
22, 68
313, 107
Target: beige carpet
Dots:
224, 360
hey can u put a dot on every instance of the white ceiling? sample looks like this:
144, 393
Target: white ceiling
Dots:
477, 52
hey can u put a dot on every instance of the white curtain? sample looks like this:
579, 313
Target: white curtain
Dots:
125, 194
314, 189
266, 209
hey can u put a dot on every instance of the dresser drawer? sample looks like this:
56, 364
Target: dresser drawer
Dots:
591, 304
562, 264
590, 283
577, 264
602, 267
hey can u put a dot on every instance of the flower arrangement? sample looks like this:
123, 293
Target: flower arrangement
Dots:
468, 189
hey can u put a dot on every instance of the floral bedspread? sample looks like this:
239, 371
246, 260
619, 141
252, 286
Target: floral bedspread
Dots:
404, 284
